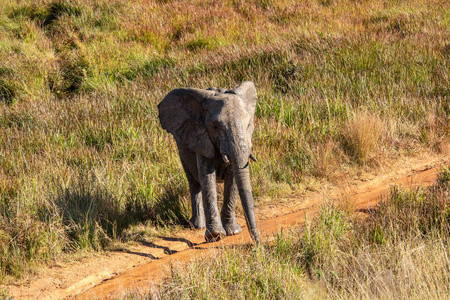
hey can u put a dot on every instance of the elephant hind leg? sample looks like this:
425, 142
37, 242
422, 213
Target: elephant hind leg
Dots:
228, 213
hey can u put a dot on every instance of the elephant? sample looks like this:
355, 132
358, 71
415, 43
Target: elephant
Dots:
213, 130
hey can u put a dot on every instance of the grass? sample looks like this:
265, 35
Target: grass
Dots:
398, 250
342, 86
362, 137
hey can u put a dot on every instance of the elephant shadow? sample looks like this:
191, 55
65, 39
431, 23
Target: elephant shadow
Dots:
169, 251
93, 216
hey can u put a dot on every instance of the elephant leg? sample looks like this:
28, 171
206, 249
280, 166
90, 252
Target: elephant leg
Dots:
207, 178
198, 213
189, 163
228, 213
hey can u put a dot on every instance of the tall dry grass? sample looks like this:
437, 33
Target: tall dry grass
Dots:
362, 138
80, 81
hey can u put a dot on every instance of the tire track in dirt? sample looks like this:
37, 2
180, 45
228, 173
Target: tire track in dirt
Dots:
146, 277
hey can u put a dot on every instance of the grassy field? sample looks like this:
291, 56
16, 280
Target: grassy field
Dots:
343, 86
398, 251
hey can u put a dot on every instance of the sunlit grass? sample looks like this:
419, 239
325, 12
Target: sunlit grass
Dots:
341, 85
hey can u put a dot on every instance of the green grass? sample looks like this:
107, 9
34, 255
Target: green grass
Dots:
398, 250
82, 154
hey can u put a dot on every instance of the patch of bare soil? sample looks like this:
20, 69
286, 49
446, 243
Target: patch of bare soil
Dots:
142, 266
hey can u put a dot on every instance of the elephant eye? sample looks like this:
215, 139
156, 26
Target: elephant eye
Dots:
215, 125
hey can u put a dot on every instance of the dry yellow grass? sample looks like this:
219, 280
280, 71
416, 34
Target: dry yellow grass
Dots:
80, 81
362, 137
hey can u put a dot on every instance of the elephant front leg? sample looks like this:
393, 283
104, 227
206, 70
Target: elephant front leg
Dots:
198, 213
228, 213
207, 178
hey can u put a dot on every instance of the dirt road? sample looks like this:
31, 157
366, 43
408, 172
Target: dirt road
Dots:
112, 274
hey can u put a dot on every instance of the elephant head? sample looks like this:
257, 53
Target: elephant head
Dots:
217, 124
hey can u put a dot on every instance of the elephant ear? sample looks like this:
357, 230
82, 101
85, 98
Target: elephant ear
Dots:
181, 114
248, 91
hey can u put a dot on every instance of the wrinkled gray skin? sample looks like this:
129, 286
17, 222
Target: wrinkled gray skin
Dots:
213, 130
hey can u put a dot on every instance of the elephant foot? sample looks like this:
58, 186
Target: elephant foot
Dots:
233, 229
197, 223
214, 235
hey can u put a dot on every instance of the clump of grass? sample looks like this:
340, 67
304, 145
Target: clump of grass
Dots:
47, 14
146, 68
363, 138
325, 238
198, 44
5, 296
325, 159
432, 132
8, 89
7, 92
67, 79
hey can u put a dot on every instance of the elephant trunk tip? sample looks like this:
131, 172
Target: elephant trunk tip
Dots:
257, 240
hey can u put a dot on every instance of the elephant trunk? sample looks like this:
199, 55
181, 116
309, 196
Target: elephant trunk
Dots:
242, 177
239, 148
